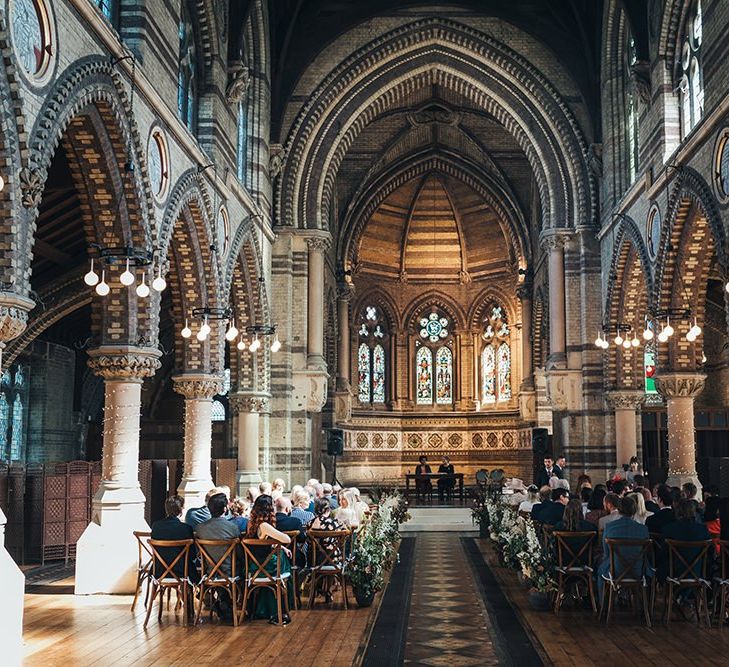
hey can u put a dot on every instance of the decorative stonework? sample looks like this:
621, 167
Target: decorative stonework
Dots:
198, 385
240, 79
242, 403
680, 385
31, 187
320, 242
345, 291
554, 239
640, 80
451, 440
13, 315
276, 160
625, 400
564, 389
132, 364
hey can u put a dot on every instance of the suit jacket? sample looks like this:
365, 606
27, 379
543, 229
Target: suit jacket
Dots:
196, 515
652, 507
686, 530
622, 528
552, 513
543, 478
660, 519
218, 528
172, 528
286, 522
538, 508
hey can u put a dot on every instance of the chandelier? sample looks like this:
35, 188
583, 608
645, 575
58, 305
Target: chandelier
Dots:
626, 336
131, 259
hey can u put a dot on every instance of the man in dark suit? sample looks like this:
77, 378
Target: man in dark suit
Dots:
552, 513
284, 520
690, 492
545, 499
656, 523
560, 465
197, 515
547, 472
171, 528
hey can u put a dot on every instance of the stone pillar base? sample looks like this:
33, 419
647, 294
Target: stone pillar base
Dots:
246, 478
679, 479
194, 491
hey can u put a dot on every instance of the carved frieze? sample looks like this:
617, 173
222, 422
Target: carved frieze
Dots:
198, 385
124, 362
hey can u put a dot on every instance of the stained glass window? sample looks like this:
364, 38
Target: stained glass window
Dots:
242, 146
28, 34
488, 375
631, 106
16, 439
424, 376
444, 376
649, 364
106, 7
363, 372
187, 74
378, 374
4, 423
218, 411
504, 364
691, 84
433, 327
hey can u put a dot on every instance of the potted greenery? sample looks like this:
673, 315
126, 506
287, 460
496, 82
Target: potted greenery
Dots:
538, 569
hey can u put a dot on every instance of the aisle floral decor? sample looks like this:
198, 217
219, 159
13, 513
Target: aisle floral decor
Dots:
374, 551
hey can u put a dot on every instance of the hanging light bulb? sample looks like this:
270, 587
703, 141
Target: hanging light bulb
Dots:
598, 340
647, 332
241, 344
201, 336
695, 331
626, 343
255, 344
127, 278
618, 340
186, 331
143, 288
102, 289
703, 358
2, 183
91, 278
232, 333
635, 340
159, 283
663, 336
605, 344
690, 335
205, 329
669, 329
276, 345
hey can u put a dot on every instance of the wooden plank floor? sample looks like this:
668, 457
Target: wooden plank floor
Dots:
576, 637
63, 629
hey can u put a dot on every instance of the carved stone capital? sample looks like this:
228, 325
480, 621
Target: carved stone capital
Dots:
276, 160
640, 80
680, 384
198, 385
31, 187
625, 399
13, 315
320, 242
240, 79
345, 291
248, 402
555, 238
124, 363
524, 292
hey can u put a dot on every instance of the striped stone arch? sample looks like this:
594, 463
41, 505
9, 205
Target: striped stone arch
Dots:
629, 300
380, 299
675, 13
374, 191
693, 243
423, 53
487, 297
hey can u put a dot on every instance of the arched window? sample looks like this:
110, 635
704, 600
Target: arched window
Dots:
242, 143
371, 357
107, 8
496, 358
691, 83
631, 107
434, 381
187, 74
4, 425
18, 430
218, 411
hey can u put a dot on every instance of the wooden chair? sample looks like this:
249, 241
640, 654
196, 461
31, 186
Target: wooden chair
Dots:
547, 536
169, 580
257, 577
213, 575
631, 564
574, 563
327, 563
144, 565
721, 583
295, 536
688, 571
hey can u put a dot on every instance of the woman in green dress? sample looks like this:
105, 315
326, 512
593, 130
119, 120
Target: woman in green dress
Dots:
262, 526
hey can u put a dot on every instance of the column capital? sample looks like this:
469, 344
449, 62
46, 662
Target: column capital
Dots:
124, 362
524, 291
679, 384
319, 240
555, 238
198, 385
626, 399
248, 402
13, 315
345, 291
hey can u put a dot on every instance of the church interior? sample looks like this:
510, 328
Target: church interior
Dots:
251, 243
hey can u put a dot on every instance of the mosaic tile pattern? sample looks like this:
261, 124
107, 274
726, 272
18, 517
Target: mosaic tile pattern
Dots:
448, 625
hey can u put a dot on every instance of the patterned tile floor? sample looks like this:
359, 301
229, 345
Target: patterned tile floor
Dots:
448, 625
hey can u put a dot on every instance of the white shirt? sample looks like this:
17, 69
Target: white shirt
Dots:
526, 506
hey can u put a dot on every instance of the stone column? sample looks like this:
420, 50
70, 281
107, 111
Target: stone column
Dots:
680, 389
118, 505
344, 295
247, 407
198, 390
12, 585
318, 245
626, 404
524, 293
553, 241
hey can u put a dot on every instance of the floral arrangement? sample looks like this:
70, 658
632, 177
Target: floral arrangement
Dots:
536, 563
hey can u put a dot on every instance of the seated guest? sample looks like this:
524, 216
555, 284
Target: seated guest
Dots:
239, 510
284, 520
711, 519
596, 505
312, 482
547, 472
360, 505
279, 485
312, 494
611, 503
300, 506
572, 520
197, 515
585, 495
263, 525
347, 512
553, 513
330, 495
445, 484
622, 528
545, 498
650, 504
620, 487
685, 527
251, 494
641, 513
171, 528
531, 499
422, 484
690, 492
584, 480
665, 514
324, 520
265, 488
217, 527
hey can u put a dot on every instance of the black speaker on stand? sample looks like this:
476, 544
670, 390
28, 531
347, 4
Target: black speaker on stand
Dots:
335, 447
540, 447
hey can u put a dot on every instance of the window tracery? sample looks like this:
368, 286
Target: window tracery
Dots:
691, 83
371, 357
496, 358
434, 360
187, 74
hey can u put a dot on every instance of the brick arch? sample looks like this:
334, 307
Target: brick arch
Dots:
489, 296
433, 298
381, 299
628, 302
375, 190
675, 13
420, 54
693, 241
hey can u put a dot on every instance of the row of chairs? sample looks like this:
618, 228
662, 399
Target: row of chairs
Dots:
632, 570
262, 560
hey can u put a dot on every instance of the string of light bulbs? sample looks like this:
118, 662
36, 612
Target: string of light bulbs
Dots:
666, 331
205, 315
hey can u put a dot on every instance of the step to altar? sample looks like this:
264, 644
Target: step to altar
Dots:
439, 519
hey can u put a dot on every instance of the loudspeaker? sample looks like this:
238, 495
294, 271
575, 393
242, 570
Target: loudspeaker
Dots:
335, 442
540, 441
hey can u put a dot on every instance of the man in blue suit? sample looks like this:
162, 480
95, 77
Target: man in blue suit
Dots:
623, 528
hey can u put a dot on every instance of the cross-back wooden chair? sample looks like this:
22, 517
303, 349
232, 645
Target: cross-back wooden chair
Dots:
548, 536
256, 575
164, 579
631, 569
688, 564
295, 536
144, 565
327, 563
574, 563
721, 583
213, 574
